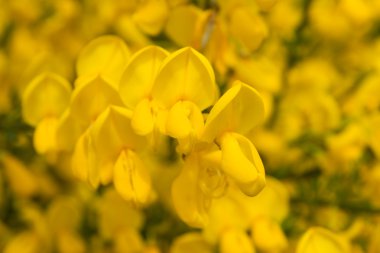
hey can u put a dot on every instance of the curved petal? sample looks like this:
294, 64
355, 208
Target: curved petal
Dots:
242, 163
151, 16
318, 240
191, 242
106, 56
182, 23
131, 178
248, 28
47, 95
137, 80
189, 201
27, 241
112, 132
44, 138
178, 124
184, 119
185, 75
68, 131
239, 110
262, 229
92, 97
236, 241
143, 118
83, 158
21, 180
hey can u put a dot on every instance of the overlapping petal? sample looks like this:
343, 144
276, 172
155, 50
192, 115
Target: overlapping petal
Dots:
241, 161
239, 110
189, 201
318, 240
151, 15
106, 56
47, 95
131, 178
139, 75
92, 97
185, 75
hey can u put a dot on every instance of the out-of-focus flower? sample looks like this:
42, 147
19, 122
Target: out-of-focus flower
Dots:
43, 102
235, 240
268, 236
21, 180
109, 151
184, 87
26, 241
209, 168
322, 240
136, 87
190, 242
105, 57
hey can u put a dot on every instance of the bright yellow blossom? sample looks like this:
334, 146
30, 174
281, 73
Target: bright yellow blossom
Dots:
317, 240
43, 102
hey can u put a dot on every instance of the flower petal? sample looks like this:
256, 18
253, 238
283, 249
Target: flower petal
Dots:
68, 131
191, 242
248, 28
190, 203
93, 96
112, 132
143, 118
138, 78
241, 161
151, 16
83, 158
44, 138
47, 95
182, 24
178, 124
131, 178
318, 240
106, 56
239, 110
185, 75
236, 240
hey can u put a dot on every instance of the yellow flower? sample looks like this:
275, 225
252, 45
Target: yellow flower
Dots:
150, 16
225, 214
70, 242
184, 86
26, 241
92, 95
108, 151
247, 27
181, 26
204, 30
63, 217
318, 239
284, 18
128, 241
136, 86
236, 113
236, 240
209, 168
43, 102
105, 56
189, 243
21, 180
115, 214
189, 200
268, 236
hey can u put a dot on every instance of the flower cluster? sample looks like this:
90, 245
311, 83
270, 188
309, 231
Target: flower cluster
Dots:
132, 126
125, 108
